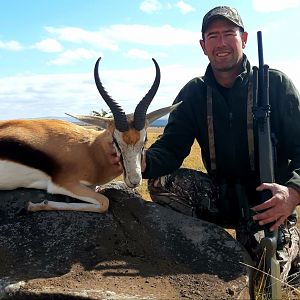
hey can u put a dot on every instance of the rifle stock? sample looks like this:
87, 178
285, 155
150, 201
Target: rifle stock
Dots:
261, 112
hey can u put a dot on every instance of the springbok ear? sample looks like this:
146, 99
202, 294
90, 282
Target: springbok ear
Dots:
154, 115
93, 120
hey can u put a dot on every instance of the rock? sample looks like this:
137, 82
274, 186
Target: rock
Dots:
137, 250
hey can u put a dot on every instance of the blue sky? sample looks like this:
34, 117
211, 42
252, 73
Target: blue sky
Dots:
48, 49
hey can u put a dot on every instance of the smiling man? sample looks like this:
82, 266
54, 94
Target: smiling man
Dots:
223, 41
216, 110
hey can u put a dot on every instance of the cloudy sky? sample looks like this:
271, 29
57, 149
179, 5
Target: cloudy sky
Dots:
48, 50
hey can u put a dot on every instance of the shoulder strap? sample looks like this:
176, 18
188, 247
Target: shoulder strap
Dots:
210, 128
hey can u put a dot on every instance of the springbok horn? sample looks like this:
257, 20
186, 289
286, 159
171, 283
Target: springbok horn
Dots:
141, 109
118, 113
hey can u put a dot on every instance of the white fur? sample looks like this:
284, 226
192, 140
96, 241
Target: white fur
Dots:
132, 155
14, 175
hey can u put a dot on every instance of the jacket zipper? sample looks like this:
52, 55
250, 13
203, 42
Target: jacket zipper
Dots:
230, 120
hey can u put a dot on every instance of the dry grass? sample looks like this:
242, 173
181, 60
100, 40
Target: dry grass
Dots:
192, 161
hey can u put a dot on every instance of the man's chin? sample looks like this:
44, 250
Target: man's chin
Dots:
224, 68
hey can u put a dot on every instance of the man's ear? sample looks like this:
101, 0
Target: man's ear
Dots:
202, 44
244, 39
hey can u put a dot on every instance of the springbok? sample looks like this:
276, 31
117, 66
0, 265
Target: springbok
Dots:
64, 158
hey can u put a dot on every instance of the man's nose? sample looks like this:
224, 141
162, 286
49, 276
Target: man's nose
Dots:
221, 40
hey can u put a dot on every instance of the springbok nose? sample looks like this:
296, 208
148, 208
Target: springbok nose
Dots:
133, 183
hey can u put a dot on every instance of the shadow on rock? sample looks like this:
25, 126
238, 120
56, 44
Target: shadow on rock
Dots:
137, 243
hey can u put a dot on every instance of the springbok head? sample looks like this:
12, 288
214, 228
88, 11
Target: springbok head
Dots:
128, 131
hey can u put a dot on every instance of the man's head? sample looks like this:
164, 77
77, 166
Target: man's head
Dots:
223, 39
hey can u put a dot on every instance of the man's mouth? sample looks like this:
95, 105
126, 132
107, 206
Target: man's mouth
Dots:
222, 54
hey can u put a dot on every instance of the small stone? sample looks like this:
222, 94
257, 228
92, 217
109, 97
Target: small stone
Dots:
230, 291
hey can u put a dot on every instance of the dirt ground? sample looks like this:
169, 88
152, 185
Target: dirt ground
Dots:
135, 251
116, 280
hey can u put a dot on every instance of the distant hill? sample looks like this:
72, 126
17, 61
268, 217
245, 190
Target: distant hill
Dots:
159, 123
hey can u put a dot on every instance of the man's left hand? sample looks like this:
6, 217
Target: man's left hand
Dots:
279, 207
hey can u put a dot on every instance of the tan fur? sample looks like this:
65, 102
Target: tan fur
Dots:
80, 152
131, 137
71, 145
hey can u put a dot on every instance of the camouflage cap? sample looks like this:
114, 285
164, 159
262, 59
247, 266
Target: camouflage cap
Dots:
226, 12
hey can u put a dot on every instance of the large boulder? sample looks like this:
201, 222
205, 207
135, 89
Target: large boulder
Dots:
138, 250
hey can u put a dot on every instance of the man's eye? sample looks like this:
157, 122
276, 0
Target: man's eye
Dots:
230, 34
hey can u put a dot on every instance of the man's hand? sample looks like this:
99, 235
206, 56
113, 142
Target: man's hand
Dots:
279, 207
114, 159
143, 162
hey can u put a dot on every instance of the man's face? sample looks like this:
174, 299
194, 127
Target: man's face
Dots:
223, 44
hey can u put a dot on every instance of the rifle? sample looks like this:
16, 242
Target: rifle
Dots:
261, 113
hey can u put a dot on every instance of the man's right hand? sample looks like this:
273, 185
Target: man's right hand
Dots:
143, 161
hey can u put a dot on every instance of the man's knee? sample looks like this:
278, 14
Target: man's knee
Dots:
188, 191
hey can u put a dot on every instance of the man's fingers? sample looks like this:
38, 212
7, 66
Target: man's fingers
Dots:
266, 221
279, 222
265, 218
266, 205
115, 159
265, 186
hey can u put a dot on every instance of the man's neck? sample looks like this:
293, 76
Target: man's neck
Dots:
227, 78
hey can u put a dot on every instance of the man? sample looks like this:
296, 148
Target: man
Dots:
216, 110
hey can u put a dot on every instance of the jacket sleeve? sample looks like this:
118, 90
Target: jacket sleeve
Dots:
290, 118
167, 154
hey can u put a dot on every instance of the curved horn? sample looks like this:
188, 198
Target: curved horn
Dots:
141, 109
117, 111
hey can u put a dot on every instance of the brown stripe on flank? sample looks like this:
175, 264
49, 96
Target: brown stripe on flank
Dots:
20, 152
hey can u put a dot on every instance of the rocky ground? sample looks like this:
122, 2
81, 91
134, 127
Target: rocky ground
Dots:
138, 250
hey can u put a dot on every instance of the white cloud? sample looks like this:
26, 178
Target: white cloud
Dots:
48, 45
39, 95
77, 35
165, 35
138, 53
11, 45
184, 7
110, 38
145, 55
150, 6
169, 5
92, 44
274, 5
33, 96
70, 56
